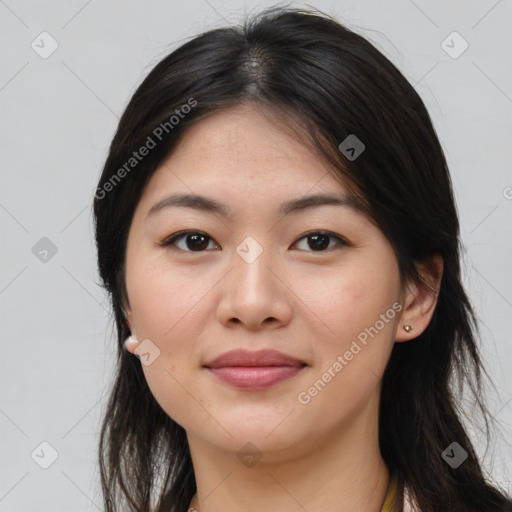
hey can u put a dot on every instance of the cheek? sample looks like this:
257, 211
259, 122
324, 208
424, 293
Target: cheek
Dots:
354, 354
167, 309
350, 299
355, 306
163, 298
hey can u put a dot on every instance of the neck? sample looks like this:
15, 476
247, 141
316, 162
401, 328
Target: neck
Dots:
344, 471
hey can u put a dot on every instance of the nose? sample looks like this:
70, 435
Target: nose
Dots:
255, 293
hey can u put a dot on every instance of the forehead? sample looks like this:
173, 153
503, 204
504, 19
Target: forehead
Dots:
244, 148
248, 125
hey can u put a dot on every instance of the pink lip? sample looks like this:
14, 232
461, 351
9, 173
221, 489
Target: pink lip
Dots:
254, 370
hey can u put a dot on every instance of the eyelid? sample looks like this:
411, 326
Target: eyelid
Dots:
169, 242
341, 240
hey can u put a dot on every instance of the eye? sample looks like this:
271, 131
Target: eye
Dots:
197, 241
319, 241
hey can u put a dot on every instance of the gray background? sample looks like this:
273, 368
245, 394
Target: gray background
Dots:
58, 116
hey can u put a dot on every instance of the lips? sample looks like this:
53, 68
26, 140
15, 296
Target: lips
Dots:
258, 358
254, 370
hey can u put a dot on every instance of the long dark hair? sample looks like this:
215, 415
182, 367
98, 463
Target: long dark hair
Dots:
326, 82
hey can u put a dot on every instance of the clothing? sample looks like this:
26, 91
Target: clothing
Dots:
388, 502
391, 495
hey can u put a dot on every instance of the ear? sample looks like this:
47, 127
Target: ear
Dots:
420, 299
128, 317
130, 343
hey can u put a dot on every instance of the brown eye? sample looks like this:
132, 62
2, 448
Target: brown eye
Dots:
197, 241
194, 241
319, 241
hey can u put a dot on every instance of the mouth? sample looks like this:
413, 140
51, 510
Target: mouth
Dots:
254, 370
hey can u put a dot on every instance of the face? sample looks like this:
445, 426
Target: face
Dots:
319, 283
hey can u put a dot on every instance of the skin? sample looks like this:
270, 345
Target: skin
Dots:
311, 304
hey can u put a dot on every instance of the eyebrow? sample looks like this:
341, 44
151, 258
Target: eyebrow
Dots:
210, 205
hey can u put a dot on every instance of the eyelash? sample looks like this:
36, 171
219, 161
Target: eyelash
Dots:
169, 242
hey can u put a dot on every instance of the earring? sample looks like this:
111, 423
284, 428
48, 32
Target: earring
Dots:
131, 340
408, 328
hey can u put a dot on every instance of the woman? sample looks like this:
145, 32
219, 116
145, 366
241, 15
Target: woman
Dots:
276, 226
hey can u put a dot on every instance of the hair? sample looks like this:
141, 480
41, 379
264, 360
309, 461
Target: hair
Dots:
325, 82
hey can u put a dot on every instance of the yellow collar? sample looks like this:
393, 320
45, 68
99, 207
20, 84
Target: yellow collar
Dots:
390, 495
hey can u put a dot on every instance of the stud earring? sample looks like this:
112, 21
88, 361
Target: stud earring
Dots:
131, 340
408, 328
